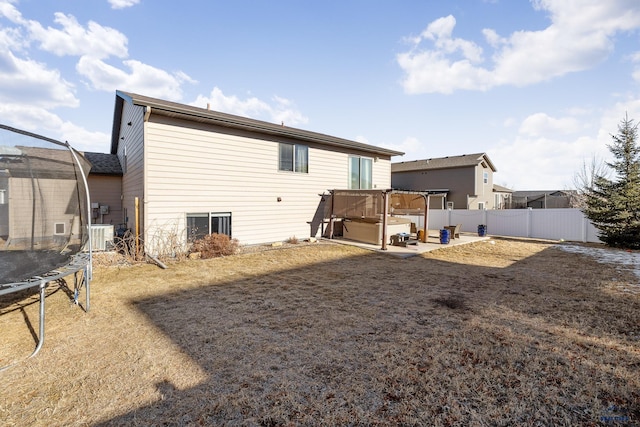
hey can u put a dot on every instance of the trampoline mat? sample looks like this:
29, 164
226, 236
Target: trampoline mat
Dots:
17, 266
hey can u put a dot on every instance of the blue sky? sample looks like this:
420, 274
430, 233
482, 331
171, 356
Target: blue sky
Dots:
538, 85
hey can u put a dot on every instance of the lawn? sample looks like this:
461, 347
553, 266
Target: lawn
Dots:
504, 333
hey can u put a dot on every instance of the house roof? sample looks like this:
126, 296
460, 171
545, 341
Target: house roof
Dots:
203, 115
448, 162
541, 193
39, 162
104, 164
500, 189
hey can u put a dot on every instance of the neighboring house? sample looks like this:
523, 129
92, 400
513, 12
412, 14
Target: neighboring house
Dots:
189, 171
105, 187
540, 199
39, 199
466, 179
501, 197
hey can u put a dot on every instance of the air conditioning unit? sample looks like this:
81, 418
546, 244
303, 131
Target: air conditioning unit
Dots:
101, 237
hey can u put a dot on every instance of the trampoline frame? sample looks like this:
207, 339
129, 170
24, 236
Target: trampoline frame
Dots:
81, 261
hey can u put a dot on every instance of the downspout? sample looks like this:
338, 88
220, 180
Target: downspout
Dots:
147, 113
137, 207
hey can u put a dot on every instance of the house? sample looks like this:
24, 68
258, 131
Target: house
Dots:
465, 181
189, 171
41, 197
544, 199
501, 196
105, 187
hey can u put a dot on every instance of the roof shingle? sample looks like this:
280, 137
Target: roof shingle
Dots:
104, 164
443, 163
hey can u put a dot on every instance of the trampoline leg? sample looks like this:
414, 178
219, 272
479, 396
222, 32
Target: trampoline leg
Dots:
43, 287
87, 281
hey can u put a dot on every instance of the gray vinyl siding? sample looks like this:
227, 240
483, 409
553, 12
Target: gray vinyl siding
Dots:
132, 137
194, 168
459, 181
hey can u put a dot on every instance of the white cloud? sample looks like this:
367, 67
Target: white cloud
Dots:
282, 110
529, 161
40, 121
412, 147
72, 38
579, 36
121, 4
140, 78
94, 44
75, 40
9, 11
541, 124
635, 59
29, 82
552, 150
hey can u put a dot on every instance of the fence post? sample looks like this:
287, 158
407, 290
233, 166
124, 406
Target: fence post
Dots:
529, 219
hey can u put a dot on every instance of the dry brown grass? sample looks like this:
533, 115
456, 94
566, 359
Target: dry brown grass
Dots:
511, 333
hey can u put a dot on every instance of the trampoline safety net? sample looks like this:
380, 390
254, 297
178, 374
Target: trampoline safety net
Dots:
43, 205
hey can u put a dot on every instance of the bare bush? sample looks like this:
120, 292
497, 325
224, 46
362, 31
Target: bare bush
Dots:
129, 247
168, 243
215, 245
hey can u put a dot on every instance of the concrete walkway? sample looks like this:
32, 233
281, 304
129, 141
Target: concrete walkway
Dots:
433, 243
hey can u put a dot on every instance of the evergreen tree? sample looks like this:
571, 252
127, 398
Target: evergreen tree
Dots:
613, 205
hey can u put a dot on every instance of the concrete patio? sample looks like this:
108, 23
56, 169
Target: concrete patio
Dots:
433, 243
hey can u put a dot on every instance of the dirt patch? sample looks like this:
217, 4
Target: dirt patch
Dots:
503, 333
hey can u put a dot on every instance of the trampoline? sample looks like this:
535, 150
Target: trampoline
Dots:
44, 218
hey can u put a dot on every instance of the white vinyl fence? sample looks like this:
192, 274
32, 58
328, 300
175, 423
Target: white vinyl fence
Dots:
554, 224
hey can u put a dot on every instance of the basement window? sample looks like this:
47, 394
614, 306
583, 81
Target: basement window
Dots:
201, 224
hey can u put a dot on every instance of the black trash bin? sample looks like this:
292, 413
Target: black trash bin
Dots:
482, 230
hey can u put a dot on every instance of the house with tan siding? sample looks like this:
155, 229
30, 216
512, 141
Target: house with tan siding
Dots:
105, 187
189, 171
467, 180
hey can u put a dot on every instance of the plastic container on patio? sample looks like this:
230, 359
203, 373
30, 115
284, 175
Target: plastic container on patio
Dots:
445, 236
482, 230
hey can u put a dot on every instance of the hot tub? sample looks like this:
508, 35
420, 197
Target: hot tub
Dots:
369, 230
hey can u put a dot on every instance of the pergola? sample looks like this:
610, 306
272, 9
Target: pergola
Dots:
379, 205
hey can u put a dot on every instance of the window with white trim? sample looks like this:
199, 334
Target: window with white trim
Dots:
485, 177
293, 158
201, 224
360, 173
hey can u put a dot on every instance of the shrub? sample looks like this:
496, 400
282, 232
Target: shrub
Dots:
215, 245
293, 240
